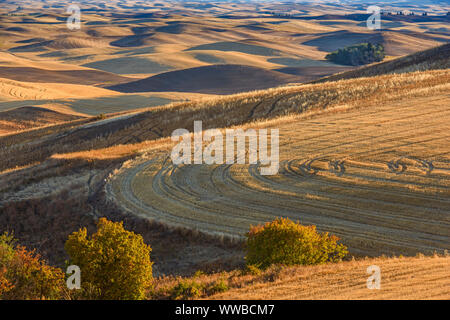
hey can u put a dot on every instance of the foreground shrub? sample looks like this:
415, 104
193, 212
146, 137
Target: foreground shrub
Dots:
357, 55
5, 285
251, 269
191, 288
219, 286
115, 263
187, 289
285, 242
25, 276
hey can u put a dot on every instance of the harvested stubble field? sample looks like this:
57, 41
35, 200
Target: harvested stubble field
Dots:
364, 153
375, 174
219, 112
401, 278
373, 209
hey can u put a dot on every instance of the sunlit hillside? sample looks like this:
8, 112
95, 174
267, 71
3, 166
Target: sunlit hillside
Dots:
89, 123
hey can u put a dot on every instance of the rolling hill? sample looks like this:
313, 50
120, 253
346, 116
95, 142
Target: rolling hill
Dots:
18, 90
31, 117
431, 59
215, 79
86, 77
395, 43
363, 153
60, 44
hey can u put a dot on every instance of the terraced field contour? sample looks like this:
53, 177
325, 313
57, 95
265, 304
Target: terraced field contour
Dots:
378, 177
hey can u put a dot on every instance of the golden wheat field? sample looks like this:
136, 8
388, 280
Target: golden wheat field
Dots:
401, 279
377, 176
357, 121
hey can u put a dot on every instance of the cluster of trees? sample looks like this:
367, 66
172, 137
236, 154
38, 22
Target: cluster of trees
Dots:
401, 13
115, 263
358, 54
279, 14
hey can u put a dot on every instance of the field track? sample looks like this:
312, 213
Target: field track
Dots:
378, 177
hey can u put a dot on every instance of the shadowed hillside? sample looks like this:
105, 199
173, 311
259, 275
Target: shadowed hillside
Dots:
395, 43
31, 117
87, 77
216, 79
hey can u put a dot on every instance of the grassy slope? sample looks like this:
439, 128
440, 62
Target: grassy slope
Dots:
431, 59
238, 109
401, 278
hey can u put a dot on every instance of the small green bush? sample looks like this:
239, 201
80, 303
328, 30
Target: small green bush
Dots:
198, 273
187, 289
252, 270
285, 242
219, 286
101, 116
357, 55
192, 289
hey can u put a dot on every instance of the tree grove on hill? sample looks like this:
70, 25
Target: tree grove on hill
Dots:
357, 55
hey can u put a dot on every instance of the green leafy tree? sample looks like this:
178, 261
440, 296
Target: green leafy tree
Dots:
359, 54
284, 242
115, 263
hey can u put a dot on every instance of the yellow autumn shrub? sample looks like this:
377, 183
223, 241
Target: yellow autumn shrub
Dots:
283, 241
115, 263
25, 276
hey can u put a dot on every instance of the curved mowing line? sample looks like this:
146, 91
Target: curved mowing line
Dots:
229, 211
328, 176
